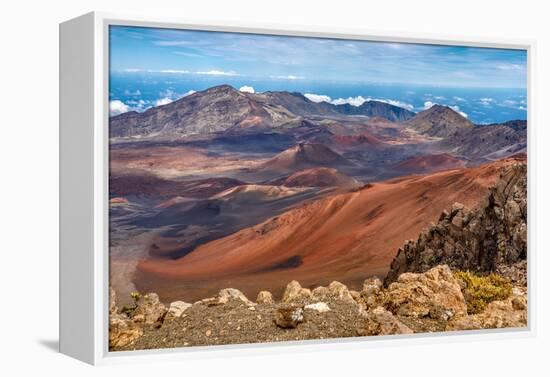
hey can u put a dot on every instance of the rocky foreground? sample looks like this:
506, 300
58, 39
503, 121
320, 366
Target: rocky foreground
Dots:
466, 272
437, 300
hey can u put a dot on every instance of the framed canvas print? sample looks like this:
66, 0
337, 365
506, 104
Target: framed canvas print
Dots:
226, 186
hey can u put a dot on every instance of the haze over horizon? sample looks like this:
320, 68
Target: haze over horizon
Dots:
151, 66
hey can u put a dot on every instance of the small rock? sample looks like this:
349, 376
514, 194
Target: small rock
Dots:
208, 332
295, 293
335, 291
320, 307
379, 321
289, 316
176, 309
232, 294
519, 303
149, 309
372, 294
265, 297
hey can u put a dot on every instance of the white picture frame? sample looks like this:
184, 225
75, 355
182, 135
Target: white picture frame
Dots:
84, 113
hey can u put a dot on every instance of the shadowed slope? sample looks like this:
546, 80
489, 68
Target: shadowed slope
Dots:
346, 237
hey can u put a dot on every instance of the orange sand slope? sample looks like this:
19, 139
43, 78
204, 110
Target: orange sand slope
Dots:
346, 236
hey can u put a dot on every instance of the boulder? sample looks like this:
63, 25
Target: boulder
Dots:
265, 297
149, 310
227, 294
122, 331
372, 294
379, 321
335, 291
224, 296
289, 316
435, 294
176, 309
295, 293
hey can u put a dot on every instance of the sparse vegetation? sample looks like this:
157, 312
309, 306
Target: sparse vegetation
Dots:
129, 309
480, 290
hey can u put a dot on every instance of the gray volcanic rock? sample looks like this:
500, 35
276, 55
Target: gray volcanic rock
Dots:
492, 142
377, 109
216, 109
223, 108
483, 239
440, 121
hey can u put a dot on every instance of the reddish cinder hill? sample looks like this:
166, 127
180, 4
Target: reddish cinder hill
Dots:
364, 140
344, 237
319, 177
304, 156
429, 163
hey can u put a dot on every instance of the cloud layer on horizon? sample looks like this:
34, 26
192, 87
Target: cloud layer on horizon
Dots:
222, 54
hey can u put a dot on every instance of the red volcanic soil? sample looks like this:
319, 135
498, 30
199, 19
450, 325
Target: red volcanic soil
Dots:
345, 237
430, 163
319, 177
365, 139
118, 201
303, 156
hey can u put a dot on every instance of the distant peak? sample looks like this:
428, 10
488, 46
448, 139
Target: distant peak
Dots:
222, 88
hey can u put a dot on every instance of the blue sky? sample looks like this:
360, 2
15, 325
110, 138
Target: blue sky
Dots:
295, 58
153, 66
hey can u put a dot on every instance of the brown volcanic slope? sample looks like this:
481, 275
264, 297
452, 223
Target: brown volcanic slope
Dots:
345, 237
429, 163
319, 177
440, 121
364, 140
304, 156
222, 108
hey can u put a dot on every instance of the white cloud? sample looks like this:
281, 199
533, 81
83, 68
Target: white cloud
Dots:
170, 96
510, 67
486, 101
354, 101
130, 93
403, 105
163, 101
317, 97
287, 77
118, 107
215, 72
429, 104
457, 109
512, 104
132, 70
175, 71
439, 97
459, 99
247, 89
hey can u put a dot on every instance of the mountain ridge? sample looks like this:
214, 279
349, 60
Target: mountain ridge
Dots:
223, 108
439, 121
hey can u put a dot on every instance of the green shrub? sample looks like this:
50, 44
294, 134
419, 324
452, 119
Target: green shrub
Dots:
480, 290
129, 310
